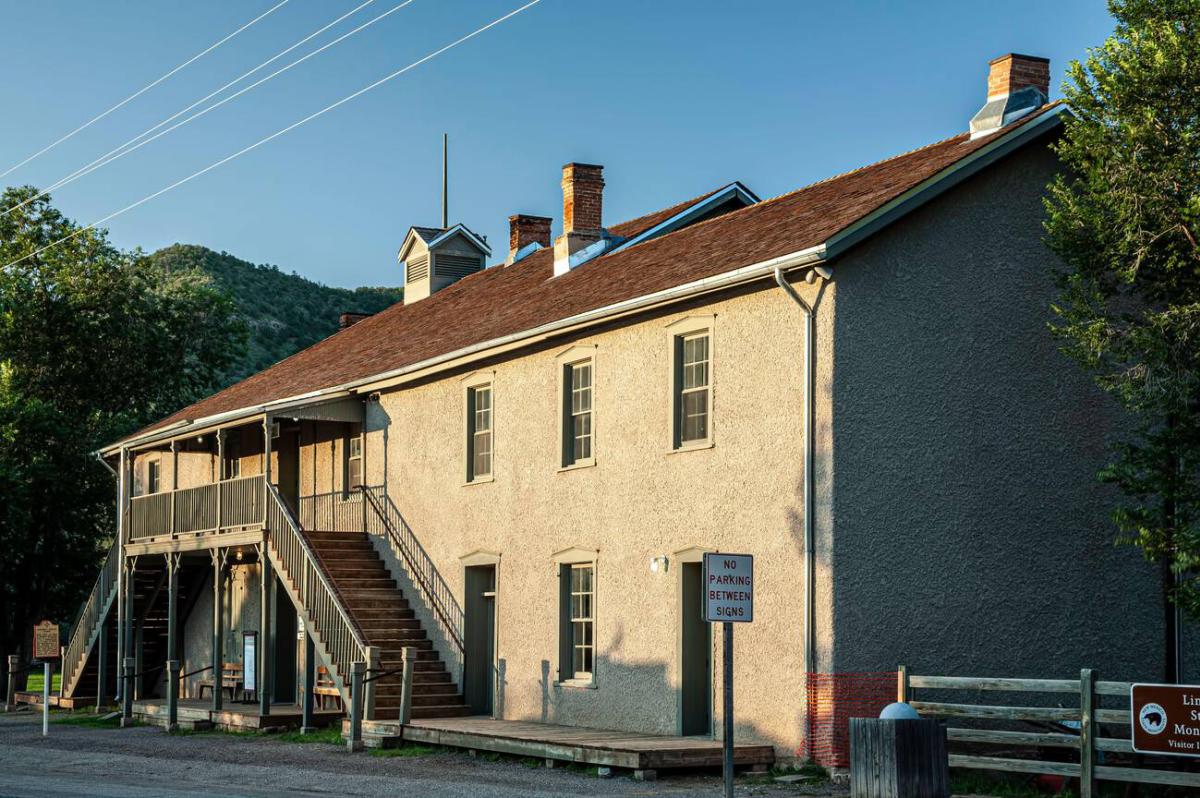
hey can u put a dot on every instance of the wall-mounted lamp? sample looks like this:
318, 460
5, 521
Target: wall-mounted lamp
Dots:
659, 563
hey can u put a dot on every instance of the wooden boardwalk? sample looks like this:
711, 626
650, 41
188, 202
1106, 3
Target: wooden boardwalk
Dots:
195, 714
639, 752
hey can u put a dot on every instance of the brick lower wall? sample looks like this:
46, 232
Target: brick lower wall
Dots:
834, 698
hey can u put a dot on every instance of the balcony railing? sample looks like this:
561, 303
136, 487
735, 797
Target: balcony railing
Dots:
205, 509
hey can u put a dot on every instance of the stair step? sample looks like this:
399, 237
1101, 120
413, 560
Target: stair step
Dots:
389, 624
367, 615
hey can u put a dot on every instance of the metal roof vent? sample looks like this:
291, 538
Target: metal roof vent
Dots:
1017, 86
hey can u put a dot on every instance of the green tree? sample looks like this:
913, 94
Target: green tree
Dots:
1124, 217
94, 343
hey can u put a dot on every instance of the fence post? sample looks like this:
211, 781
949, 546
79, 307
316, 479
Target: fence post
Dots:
355, 742
10, 697
902, 684
173, 668
410, 665
127, 692
372, 653
1087, 732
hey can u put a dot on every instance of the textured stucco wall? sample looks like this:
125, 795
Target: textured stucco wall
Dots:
242, 601
639, 501
970, 535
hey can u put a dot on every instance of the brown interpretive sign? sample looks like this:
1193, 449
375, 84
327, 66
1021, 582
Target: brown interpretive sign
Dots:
1165, 719
45, 641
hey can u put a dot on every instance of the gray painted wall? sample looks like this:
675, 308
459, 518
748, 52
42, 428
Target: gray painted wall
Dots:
969, 535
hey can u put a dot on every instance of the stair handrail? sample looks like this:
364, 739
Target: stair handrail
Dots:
433, 595
345, 645
85, 621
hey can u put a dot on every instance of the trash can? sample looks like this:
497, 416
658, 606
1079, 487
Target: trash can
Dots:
898, 759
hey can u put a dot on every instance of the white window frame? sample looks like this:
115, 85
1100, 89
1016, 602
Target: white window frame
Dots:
348, 458
679, 331
472, 384
566, 362
569, 561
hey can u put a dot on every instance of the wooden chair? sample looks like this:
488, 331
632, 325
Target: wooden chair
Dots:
325, 688
231, 680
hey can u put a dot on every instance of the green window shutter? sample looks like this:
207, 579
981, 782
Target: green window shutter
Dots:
565, 668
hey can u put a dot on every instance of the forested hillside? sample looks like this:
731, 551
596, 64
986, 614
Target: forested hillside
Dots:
284, 312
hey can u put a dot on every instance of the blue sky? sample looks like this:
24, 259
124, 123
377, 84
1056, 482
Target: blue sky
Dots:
674, 97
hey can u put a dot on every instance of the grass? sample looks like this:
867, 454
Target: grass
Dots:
36, 679
330, 736
404, 751
88, 720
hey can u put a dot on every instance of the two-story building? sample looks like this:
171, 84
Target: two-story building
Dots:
518, 469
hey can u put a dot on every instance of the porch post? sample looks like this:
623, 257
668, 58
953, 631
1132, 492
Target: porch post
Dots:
174, 483
266, 469
266, 656
218, 641
122, 483
172, 642
101, 665
129, 599
220, 475
308, 722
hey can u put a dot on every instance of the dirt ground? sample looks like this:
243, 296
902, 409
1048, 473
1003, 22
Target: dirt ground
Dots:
145, 762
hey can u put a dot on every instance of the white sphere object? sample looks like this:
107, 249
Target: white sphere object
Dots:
899, 711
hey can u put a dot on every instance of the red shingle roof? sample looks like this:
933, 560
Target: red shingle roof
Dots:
505, 300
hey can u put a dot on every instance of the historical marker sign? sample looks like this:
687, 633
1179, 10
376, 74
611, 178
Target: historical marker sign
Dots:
45, 641
1165, 719
728, 588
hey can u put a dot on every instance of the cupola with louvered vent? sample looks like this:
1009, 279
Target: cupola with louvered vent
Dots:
435, 257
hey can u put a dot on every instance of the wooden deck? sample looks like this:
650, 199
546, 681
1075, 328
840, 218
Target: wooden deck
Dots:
195, 714
639, 752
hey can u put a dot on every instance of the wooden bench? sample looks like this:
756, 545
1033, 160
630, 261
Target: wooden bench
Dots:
231, 680
325, 688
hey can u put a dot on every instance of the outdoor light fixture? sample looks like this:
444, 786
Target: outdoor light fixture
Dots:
658, 564
239, 555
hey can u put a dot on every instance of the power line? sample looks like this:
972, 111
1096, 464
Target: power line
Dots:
106, 159
144, 89
280, 132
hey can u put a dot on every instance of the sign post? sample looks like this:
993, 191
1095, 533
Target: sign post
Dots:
1165, 719
46, 647
728, 599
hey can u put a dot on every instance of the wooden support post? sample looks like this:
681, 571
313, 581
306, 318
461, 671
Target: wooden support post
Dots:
125, 634
410, 666
266, 466
220, 476
373, 669
122, 536
172, 642
218, 625
1087, 733
902, 684
129, 664
357, 670
308, 722
174, 484
101, 666
266, 643
10, 697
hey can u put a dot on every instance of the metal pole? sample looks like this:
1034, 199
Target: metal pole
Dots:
445, 180
357, 670
46, 699
727, 679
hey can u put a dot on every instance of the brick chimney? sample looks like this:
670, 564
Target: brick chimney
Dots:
1013, 72
1017, 86
524, 230
583, 203
350, 319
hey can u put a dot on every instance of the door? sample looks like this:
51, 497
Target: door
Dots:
695, 652
479, 649
287, 447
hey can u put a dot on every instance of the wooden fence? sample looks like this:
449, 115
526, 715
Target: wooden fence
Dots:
1086, 727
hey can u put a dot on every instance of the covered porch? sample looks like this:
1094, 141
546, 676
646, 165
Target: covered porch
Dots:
194, 714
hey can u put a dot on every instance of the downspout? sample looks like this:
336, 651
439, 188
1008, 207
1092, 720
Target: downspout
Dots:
809, 378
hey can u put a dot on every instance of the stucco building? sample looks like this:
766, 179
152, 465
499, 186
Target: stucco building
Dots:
518, 469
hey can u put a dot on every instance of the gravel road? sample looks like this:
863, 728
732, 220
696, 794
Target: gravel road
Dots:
145, 762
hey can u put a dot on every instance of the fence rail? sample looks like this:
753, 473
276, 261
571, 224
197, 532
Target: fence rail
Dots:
386, 519
343, 641
337, 511
90, 614
213, 508
1086, 716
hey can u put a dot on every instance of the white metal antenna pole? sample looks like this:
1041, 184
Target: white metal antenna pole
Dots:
445, 180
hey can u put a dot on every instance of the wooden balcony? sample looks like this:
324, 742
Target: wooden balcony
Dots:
191, 514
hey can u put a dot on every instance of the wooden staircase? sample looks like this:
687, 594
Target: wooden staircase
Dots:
382, 612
